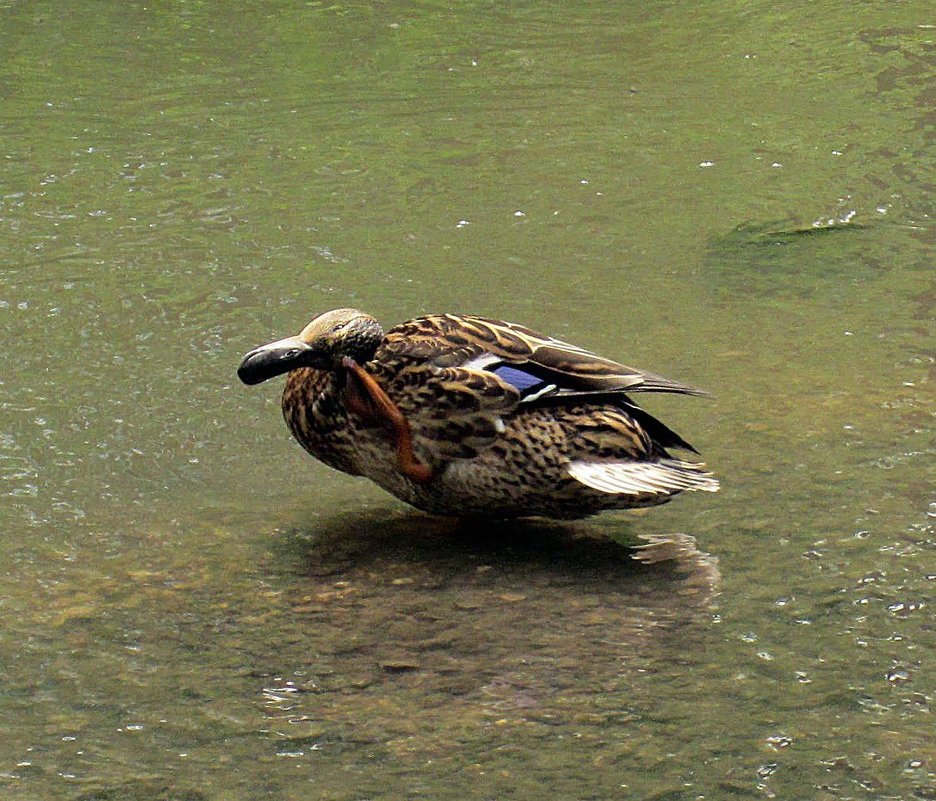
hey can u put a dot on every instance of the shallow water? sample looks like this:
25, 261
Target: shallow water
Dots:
736, 196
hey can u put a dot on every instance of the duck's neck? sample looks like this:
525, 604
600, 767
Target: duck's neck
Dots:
308, 396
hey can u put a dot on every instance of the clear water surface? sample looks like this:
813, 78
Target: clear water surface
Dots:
739, 195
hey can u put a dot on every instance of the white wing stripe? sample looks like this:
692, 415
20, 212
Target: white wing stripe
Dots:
545, 390
481, 361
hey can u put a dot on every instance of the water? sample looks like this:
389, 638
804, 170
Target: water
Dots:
195, 610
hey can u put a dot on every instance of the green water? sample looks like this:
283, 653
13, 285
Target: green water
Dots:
193, 609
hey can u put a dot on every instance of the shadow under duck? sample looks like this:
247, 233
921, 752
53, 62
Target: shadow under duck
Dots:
463, 415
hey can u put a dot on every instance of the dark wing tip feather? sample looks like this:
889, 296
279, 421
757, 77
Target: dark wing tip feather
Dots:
651, 382
659, 432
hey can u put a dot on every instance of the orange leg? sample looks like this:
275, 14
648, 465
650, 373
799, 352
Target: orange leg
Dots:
365, 399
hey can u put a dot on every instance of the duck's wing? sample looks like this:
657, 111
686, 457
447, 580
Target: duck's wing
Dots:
538, 366
454, 377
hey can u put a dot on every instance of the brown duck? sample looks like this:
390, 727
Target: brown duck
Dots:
462, 415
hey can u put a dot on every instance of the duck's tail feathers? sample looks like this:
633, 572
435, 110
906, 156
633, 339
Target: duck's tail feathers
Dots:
664, 477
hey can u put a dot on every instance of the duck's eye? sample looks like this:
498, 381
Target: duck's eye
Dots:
339, 327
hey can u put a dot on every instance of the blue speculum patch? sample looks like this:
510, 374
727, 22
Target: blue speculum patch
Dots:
522, 380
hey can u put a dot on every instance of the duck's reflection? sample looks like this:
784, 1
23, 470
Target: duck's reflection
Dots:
479, 618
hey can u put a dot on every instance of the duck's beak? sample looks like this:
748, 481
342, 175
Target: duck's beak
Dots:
274, 359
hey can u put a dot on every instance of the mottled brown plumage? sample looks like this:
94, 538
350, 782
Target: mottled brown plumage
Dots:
462, 415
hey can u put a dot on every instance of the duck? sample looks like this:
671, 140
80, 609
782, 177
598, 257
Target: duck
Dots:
467, 416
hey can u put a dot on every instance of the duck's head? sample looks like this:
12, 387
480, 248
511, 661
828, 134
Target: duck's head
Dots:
322, 344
